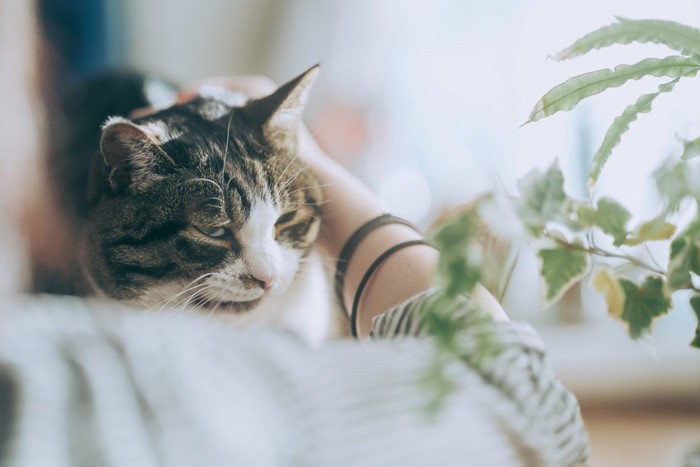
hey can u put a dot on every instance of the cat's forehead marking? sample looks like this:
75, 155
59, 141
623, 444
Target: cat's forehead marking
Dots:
211, 109
217, 101
160, 131
228, 97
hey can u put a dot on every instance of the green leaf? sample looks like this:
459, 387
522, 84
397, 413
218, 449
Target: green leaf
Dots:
459, 266
441, 321
680, 263
684, 257
695, 303
542, 198
672, 183
655, 229
560, 268
610, 216
691, 149
568, 94
643, 304
684, 39
438, 384
620, 125
606, 283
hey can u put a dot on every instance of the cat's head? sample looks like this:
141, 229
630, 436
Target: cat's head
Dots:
205, 199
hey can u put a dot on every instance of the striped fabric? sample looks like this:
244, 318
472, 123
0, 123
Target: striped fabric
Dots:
88, 384
540, 406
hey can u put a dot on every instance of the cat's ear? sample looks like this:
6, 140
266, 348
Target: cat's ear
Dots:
280, 113
132, 155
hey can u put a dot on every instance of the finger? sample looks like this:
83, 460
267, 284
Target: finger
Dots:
253, 86
141, 112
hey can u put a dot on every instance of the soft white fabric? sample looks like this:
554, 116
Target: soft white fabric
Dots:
95, 385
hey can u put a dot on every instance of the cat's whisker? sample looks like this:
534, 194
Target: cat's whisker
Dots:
219, 206
192, 285
228, 134
281, 176
188, 287
177, 301
208, 180
296, 175
212, 309
323, 185
216, 307
207, 293
220, 199
320, 203
201, 292
292, 178
186, 304
288, 166
325, 261
193, 308
161, 306
228, 185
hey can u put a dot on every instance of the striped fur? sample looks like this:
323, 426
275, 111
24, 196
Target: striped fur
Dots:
163, 183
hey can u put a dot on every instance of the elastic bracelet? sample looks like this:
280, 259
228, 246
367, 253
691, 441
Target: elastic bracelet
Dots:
352, 244
365, 279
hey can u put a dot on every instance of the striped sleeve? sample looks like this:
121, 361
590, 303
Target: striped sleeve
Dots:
542, 409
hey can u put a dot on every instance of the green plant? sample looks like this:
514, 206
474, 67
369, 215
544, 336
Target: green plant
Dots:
575, 238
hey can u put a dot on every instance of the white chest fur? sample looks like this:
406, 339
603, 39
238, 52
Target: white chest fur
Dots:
305, 308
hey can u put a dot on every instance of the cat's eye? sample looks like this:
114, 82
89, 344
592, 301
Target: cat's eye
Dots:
213, 231
286, 217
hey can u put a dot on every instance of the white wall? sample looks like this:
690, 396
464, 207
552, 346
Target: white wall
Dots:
435, 90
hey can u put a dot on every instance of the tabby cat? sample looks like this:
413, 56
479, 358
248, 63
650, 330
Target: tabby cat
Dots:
205, 205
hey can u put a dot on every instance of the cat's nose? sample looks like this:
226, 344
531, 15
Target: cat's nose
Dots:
264, 269
266, 281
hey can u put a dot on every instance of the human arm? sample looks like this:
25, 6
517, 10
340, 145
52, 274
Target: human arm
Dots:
402, 275
349, 204
113, 387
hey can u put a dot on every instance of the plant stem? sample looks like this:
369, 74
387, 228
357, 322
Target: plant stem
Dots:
594, 250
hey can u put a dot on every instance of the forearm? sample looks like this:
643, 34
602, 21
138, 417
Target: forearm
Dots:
349, 205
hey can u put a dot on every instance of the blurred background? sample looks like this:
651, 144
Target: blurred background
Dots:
424, 100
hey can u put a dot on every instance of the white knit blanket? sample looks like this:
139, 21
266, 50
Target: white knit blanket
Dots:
89, 384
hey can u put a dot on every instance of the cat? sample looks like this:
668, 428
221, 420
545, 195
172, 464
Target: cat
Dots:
206, 205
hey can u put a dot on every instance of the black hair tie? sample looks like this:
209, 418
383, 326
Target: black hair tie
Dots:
352, 244
365, 279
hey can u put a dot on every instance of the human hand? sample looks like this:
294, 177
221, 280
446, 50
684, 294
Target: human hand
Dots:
253, 86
